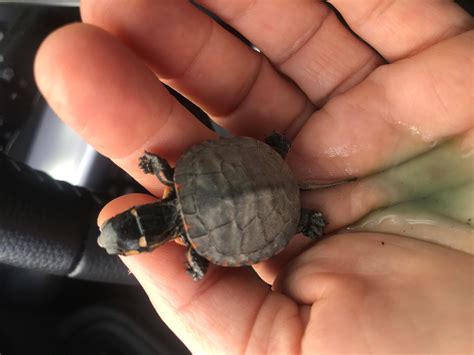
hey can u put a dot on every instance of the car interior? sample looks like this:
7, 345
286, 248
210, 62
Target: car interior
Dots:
60, 293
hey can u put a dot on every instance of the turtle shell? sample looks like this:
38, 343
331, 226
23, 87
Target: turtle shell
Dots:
238, 199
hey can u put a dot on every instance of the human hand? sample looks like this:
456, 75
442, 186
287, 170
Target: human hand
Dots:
348, 116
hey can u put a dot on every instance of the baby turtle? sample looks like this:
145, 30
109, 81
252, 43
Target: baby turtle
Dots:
231, 201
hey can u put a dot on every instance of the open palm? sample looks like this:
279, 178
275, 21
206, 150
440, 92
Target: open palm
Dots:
380, 111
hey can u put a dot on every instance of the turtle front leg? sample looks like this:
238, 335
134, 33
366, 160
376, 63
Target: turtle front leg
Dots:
311, 223
153, 164
196, 266
279, 142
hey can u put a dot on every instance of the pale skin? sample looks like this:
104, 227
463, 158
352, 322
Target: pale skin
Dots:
350, 109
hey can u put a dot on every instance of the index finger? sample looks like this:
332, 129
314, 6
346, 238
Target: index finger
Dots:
113, 100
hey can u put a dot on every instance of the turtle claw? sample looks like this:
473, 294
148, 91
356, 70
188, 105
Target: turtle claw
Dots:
153, 164
279, 142
196, 266
145, 164
193, 273
311, 223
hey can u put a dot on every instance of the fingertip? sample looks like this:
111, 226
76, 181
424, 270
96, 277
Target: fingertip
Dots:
121, 204
49, 54
67, 73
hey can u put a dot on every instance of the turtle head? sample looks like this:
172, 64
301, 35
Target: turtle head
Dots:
118, 235
140, 228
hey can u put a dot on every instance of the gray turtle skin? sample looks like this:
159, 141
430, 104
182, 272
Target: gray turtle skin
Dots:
231, 202
239, 201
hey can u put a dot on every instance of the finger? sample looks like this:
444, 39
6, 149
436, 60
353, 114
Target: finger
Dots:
401, 110
112, 100
398, 29
230, 81
121, 204
269, 269
229, 311
434, 187
350, 258
304, 40
359, 281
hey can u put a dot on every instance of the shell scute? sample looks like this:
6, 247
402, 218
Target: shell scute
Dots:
240, 198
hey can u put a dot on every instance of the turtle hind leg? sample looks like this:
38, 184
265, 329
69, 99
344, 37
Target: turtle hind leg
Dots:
196, 266
311, 223
279, 142
153, 164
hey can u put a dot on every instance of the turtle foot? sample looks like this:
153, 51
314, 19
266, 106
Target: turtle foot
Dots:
153, 164
196, 266
279, 142
145, 163
311, 223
